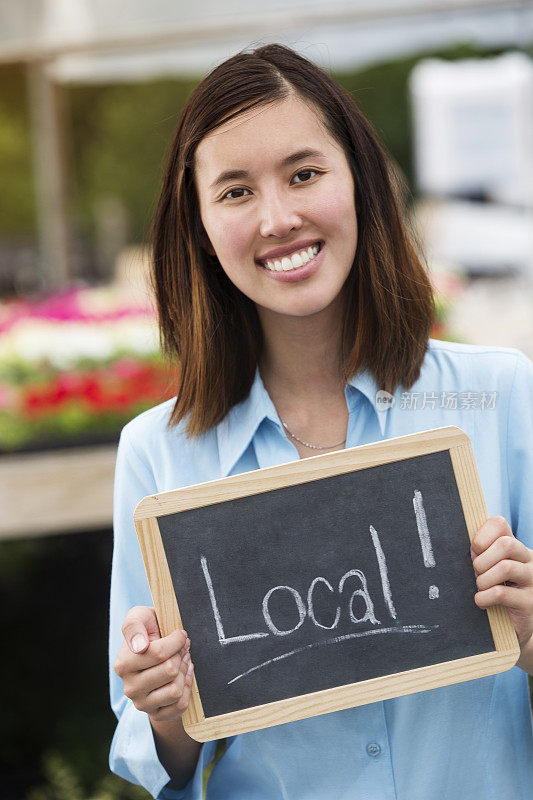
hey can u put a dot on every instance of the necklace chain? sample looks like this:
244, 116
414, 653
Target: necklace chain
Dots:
313, 446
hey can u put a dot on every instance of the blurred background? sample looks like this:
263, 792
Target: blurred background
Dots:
90, 92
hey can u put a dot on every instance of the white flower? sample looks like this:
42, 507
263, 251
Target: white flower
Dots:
62, 343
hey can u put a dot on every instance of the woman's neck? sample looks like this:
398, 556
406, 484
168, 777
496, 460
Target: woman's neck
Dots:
301, 357
301, 372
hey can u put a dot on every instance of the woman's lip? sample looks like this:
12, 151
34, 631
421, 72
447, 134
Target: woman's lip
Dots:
291, 252
298, 274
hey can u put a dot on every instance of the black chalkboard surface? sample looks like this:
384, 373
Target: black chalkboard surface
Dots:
347, 577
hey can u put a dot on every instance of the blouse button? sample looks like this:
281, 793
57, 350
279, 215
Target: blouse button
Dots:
373, 749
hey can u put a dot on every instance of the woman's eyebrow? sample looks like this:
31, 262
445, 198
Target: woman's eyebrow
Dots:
238, 174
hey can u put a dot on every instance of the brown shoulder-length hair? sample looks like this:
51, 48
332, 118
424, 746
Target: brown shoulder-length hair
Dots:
206, 324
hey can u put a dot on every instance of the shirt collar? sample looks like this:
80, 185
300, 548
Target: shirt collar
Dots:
237, 429
364, 382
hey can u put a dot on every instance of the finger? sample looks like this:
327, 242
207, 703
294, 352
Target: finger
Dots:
189, 677
125, 662
140, 628
508, 596
161, 650
505, 570
159, 675
491, 530
167, 713
166, 695
177, 709
189, 680
185, 649
185, 663
505, 547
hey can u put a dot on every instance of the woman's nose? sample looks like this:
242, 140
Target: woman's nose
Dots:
278, 216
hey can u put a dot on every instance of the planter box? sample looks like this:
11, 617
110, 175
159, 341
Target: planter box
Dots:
57, 491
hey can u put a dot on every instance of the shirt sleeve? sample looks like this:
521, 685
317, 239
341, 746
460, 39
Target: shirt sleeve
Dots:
133, 755
520, 451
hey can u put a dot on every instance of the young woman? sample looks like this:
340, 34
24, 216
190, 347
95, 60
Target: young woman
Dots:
290, 293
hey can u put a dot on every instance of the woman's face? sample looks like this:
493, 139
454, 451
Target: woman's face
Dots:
263, 199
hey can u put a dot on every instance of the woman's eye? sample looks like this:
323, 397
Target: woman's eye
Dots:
306, 172
231, 192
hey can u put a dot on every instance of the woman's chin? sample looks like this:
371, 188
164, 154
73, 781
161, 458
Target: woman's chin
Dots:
304, 307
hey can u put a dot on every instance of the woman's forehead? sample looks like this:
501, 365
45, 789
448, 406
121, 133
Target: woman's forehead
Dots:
271, 132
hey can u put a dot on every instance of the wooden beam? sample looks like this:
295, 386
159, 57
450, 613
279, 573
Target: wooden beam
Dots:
49, 147
58, 491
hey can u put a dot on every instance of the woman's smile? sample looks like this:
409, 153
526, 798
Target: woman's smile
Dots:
288, 270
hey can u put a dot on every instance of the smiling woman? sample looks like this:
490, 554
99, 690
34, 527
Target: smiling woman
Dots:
293, 299
272, 157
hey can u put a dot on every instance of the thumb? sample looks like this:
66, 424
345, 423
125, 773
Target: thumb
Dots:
140, 628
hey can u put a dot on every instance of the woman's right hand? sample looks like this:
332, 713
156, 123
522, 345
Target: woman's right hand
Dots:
157, 671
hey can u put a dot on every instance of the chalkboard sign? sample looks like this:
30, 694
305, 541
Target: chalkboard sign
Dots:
325, 583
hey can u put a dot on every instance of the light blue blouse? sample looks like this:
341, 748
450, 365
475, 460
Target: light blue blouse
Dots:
472, 739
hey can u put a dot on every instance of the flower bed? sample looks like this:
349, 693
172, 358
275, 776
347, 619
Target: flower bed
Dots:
76, 367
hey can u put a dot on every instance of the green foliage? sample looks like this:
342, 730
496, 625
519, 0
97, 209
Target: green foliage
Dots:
17, 198
119, 138
75, 422
63, 783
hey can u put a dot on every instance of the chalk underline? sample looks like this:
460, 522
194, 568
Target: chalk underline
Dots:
334, 640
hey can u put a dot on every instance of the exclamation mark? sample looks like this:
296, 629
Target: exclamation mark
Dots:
425, 539
382, 564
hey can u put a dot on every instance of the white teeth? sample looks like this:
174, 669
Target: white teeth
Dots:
295, 261
286, 263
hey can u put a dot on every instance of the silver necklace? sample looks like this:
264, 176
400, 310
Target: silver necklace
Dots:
314, 446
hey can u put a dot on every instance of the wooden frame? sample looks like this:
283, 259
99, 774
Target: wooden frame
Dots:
450, 438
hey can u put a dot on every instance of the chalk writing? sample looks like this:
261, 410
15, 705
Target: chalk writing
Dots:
423, 530
308, 610
336, 640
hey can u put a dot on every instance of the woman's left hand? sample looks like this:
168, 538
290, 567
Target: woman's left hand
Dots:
499, 557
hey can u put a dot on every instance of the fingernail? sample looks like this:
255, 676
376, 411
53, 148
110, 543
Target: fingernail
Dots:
138, 643
188, 643
187, 657
184, 633
191, 667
